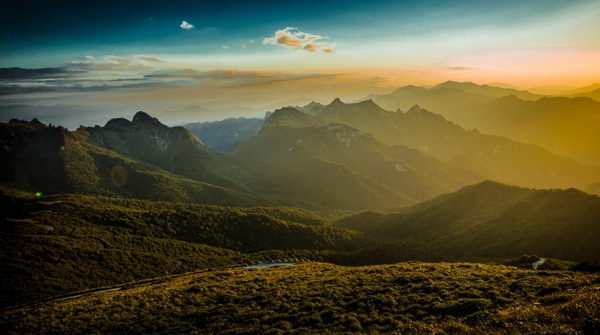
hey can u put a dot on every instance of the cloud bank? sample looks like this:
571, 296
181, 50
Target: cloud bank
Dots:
107, 73
298, 40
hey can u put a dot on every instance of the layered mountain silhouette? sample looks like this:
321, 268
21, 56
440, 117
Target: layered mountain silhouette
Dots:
339, 166
496, 158
563, 125
332, 167
458, 102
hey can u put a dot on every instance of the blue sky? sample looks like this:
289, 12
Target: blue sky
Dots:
383, 43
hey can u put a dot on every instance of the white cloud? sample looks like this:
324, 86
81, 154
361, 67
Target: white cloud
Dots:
226, 47
251, 41
186, 25
298, 40
243, 46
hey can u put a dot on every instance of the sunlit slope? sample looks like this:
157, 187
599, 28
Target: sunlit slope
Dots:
341, 167
570, 127
35, 157
497, 158
496, 221
317, 298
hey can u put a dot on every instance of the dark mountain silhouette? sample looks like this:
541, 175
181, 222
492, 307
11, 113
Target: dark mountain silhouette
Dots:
493, 220
140, 159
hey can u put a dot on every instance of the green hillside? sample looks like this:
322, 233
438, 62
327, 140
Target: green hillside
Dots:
317, 298
493, 220
58, 244
53, 160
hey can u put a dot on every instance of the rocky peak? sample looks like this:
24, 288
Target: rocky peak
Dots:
143, 118
337, 102
116, 123
414, 109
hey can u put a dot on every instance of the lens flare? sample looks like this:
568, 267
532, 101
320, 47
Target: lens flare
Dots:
118, 176
38, 194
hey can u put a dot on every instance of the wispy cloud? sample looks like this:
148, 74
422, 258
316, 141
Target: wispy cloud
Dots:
229, 77
298, 40
226, 47
87, 73
459, 68
186, 25
153, 59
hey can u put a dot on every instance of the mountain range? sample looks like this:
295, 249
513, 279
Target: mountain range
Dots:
345, 183
469, 104
264, 170
496, 158
566, 126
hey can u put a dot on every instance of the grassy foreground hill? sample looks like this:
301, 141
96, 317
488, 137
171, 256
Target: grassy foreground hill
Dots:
317, 298
58, 244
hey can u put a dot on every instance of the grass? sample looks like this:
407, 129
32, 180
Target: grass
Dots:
404, 298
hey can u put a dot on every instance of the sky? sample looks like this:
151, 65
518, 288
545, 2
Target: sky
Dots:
186, 51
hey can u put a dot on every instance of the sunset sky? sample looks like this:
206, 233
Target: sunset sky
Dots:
185, 51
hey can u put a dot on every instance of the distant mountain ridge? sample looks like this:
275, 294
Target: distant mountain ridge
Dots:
294, 156
567, 126
458, 102
497, 158
227, 134
345, 169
